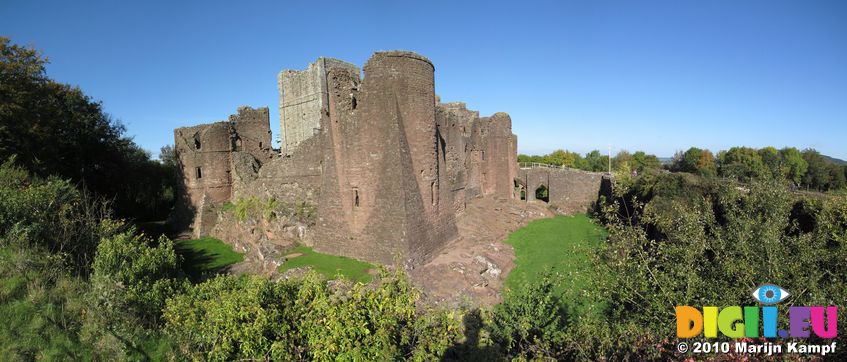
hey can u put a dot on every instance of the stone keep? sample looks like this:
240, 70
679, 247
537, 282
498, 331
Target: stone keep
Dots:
387, 165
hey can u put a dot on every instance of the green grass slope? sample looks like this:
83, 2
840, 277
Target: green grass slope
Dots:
328, 265
563, 244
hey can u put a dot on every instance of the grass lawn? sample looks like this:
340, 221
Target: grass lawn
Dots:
328, 265
206, 255
563, 244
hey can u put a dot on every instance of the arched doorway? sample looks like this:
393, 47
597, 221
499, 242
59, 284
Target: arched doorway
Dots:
542, 193
520, 189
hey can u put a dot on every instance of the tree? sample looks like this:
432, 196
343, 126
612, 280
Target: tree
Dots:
624, 162
793, 165
818, 175
595, 161
743, 163
55, 129
697, 161
167, 156
837, 179
773, 161
643, 161
562, 158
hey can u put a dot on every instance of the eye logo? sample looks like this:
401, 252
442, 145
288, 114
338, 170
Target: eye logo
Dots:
770, 294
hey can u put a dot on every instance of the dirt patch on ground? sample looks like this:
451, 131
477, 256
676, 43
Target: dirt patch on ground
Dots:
471, 269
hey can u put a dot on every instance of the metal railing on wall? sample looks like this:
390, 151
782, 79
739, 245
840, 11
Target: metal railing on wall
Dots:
526, 165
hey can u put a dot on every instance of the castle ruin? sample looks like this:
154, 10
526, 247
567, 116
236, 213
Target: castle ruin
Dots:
387, 166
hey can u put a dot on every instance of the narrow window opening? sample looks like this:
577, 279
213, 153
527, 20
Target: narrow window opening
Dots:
483, 155
199, 173
353, 101
356, 197
196, 144
260, 145
432, 192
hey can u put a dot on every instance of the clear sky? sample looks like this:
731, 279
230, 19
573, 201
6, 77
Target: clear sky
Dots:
652, 75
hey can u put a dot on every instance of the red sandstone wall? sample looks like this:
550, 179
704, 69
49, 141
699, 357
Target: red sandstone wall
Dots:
205, 156
383, 173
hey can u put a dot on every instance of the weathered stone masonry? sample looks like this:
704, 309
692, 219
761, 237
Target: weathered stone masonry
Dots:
387, 165
215, 159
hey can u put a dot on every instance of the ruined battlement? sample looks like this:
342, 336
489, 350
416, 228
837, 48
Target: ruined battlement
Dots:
392, 55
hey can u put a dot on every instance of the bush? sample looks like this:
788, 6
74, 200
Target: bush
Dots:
685, 242
251, 317
145, 272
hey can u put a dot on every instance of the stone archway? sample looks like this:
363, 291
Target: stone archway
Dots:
520, 189
542, 193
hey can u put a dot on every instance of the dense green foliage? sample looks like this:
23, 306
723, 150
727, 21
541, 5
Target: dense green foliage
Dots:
330, 266
808, 169
683, 240
74, 284
253, 318
56, 130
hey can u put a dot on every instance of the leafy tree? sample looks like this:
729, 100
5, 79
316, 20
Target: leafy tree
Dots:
55, 129
643, 161
836, 177
697, 161
773, 162
624, 162
818, 175
793, 165
595, 161
562, 158
743, 163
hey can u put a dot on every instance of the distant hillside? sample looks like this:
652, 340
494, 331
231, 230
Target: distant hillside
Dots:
834, 160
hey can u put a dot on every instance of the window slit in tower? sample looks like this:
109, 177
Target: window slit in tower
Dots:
355, 197
199, 173
432, 192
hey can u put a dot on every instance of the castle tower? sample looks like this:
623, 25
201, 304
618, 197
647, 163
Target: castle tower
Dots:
383, 172
303, 101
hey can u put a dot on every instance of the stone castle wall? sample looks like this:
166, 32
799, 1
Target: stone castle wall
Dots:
303, 97
570, 190
216, 159
387, 166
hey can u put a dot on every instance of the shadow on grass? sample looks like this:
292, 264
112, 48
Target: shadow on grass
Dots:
196, 263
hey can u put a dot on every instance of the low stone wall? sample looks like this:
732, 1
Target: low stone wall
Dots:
570, 190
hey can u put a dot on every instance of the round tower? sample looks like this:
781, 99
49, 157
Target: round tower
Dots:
405, 86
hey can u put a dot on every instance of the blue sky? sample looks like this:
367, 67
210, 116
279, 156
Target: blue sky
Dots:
652, 75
